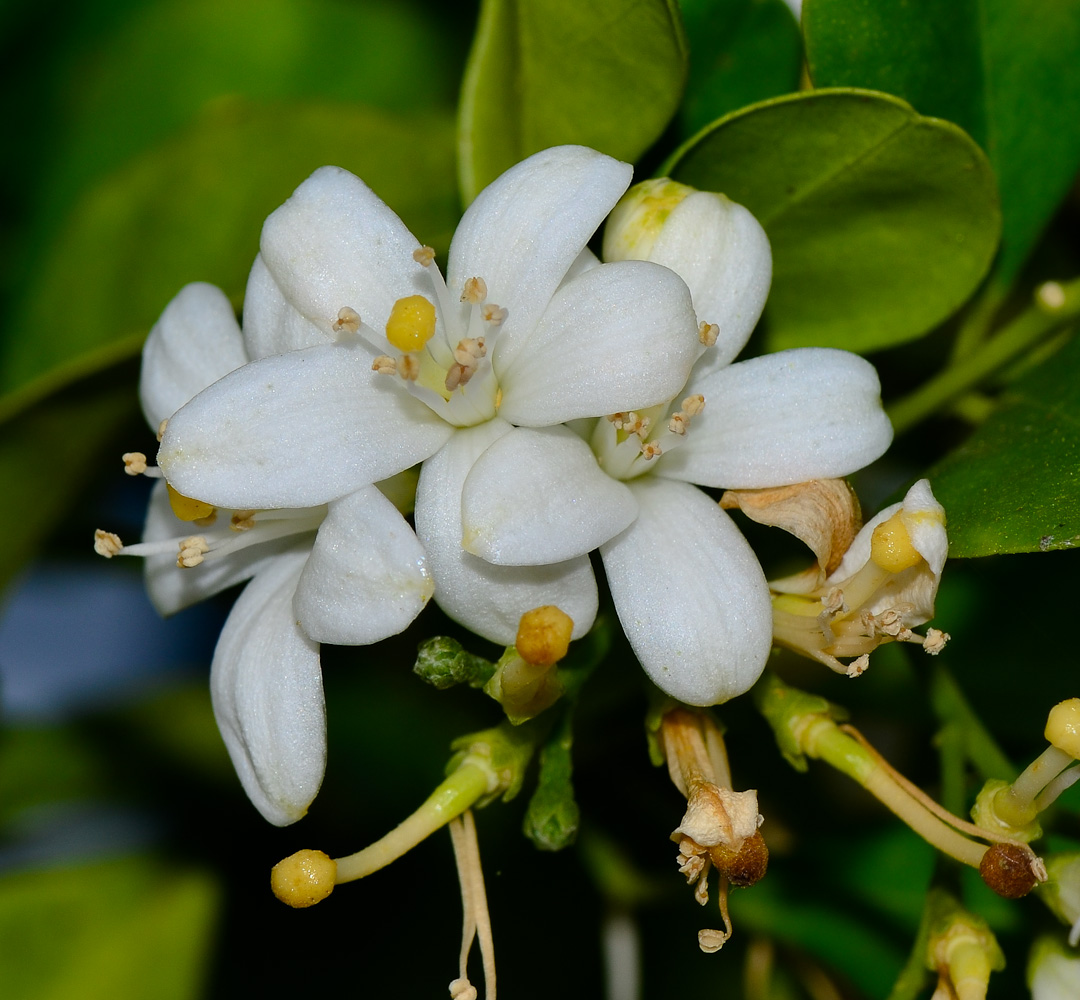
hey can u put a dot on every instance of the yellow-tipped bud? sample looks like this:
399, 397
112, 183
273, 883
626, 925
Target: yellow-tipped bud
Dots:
635, 223
411, 324
1063, 727
186, 508
891, 547
304, 878
543, 636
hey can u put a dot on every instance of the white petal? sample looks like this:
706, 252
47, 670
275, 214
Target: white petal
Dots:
367, 576
297, 430
924, 519
720, 250
267, 692
537, 496
690, 594
487, 599
526, 229
621, 336
171, 588
809, 413
271, 324
195, 342
335, 243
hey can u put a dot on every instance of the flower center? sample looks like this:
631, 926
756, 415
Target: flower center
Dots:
628, 445
441, 348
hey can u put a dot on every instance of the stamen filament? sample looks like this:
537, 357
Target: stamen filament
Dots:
473, 902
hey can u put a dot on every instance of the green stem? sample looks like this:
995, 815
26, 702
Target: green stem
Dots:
951, 706
912, 979
979, 319
1027, 329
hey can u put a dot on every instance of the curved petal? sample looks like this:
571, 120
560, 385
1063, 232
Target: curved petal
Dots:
367, 577
621, 336
809, 413
194, 343
690, 594
271, 324
172, 588
536, 497
487, 599
720, 250
335, 243
525, 230
297, 430
266, 687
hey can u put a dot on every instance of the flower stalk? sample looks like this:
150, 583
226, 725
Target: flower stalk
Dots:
805, 726
961, 949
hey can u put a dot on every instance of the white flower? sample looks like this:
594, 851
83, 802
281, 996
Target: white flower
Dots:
1053, 973
885, 586
349, 572
688, 589
397, 367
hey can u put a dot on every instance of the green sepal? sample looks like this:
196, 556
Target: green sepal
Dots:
552, 817
504, 750
443, 662
785, 709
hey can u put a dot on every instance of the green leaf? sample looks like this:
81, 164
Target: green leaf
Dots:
1004, 70
48, 454
606, 74
129, 928
882, 222
192, 210
741, 51
1013, 486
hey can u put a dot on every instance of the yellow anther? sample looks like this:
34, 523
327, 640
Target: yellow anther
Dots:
493, 314
304, 878
384, 365
161, 429
411, 324
890, 546
192, 551
348, 320
678, 423
242, 520
424, 255
107, 544
474, 292
409, 367
543, 635
1063, 727
457, 375
693, 405
469, 351
707, 333
651, 450
134, 463
186, 508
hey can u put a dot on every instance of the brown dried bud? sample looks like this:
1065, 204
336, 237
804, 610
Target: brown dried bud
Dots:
745, 866
1006, 868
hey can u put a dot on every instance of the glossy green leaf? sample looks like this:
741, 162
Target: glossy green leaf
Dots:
1013, 486
1004, 70
156, 73
882, 222
607, 74
129, 928
192, 210
741, 52
49, 452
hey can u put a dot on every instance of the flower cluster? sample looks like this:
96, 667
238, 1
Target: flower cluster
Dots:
555, 404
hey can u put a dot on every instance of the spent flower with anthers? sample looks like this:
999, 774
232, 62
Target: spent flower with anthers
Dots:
349, 572
688, 589
388, 365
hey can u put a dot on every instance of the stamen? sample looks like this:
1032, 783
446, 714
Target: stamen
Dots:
192, 551
474, 904
242, 520
348, 320
409, 367
134, 463
384, 365
935, 641
693, 405
424, 255
161, 429
411, 324
107, 544
650, 451
707, 333
474, 292
493, 314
